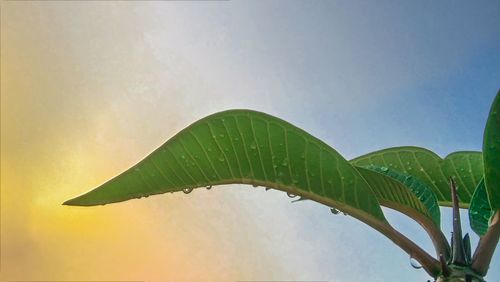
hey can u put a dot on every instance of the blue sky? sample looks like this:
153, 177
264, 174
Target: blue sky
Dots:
88, 89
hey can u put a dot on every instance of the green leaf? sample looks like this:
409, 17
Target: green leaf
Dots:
465, 167
248, 147
402, 189
242, 146
409, 196
491, 149
480, 211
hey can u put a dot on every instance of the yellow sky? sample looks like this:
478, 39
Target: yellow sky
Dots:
78, 84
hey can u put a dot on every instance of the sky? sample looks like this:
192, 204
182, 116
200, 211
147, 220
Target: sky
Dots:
90, 88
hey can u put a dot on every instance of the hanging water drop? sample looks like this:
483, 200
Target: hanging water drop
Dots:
209, 187
414, 263
334, 211
187, 190
291, 195
255, 185
299, 199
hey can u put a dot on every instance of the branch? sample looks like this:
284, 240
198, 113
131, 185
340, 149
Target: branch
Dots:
439, 241
429, 264
484, 252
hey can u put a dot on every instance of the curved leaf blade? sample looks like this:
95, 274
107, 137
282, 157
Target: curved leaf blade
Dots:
241, 146
491, 149
248, 147
404, 190
480, 211
465, 167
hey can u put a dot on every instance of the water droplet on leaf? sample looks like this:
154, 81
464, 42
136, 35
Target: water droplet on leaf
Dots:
291, 195
187, 190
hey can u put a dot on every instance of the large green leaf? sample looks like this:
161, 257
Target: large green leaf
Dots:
241, 146
480, 210
491, 149
402, 189
465, 167
248, 147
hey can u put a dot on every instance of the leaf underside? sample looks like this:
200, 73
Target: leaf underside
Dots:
465, 167
404, 190
242, 146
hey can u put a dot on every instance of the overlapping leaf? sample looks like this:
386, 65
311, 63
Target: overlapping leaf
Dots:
404, 190
465, 167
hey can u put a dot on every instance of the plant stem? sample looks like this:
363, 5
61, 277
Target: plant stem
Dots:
458, 250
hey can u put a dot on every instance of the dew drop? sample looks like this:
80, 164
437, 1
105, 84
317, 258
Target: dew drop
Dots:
209, 187
291, 195
299, 199
221, 158
267, 188
334, 211
183, 157
414, 263
221, 135
384, 169
284, 162
187, 190
255, 185
253, 146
